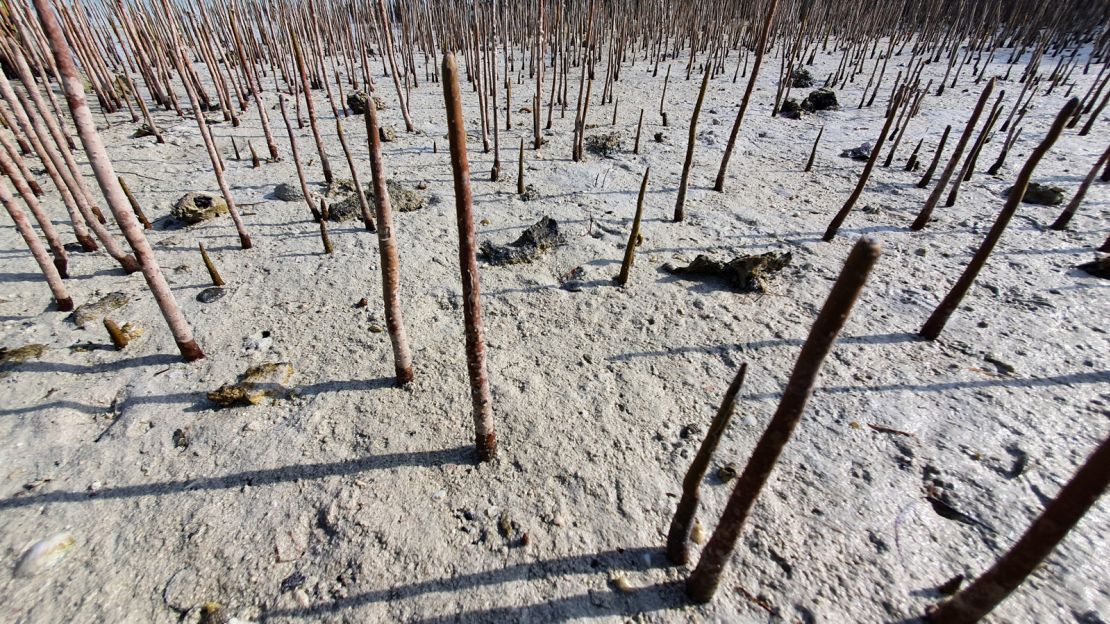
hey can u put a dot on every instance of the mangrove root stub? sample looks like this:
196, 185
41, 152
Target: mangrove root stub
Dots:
106, 178
634, 235
678, 537
520, 169
387, 253
680, 202
119, 340
1058, 518
703, 581
1065, 217
932, 327
911, 162
936, 158
212, 272
838, 220
135, 207
719, 184
328, 249
954, 161
639, 127
813, 152
482, 402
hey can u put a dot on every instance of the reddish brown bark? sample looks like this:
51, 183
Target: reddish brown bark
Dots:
484, 436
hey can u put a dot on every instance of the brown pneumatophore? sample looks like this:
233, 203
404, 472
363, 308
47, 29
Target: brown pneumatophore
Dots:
387, 251
109, 184
484, 437
703, 581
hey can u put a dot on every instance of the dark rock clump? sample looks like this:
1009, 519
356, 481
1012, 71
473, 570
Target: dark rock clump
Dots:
801, 79
743, 273
1040, 194
863, 152
1097, 268
604, 144
819, 100
288, 192
537, 239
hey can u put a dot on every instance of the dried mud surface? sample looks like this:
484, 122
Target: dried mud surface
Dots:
354, 501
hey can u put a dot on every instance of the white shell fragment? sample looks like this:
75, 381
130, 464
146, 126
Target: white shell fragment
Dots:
45, 554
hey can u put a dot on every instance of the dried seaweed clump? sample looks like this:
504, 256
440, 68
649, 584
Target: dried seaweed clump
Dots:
268, 380
604, 144
142, 131
819, 100
791, 109
743, 273
402, 199
530, 193
17, 355
537, 239
339, 187
288, 192
96, 310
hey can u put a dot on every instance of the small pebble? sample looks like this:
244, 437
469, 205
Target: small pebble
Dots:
181, 439
208, 295
302, 598
291, 582
214, 613
689, 430
727, 472
621, 584
697, 534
